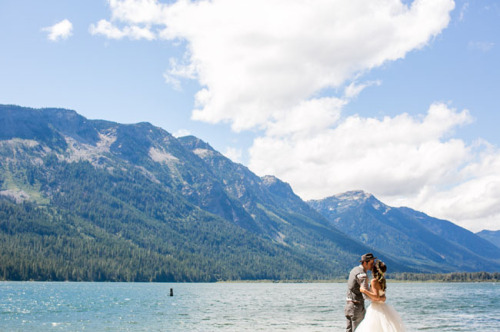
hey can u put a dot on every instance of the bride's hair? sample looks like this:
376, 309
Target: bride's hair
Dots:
378, 272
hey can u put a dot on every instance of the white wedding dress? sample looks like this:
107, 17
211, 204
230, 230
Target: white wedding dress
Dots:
381, 317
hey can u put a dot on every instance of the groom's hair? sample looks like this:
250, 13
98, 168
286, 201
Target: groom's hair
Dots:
367, 257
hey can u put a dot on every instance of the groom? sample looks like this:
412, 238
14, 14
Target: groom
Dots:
355, 306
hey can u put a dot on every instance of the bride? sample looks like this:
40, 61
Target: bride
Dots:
380, 317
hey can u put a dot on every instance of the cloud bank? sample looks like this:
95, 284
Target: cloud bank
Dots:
288, 68
61, 30
256, 59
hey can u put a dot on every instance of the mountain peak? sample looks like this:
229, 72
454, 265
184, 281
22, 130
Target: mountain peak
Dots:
270, 180
277, 186
354, 195
349, 200
430, 242
360, 197
193, 143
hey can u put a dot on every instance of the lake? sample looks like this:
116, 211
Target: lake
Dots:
45, 306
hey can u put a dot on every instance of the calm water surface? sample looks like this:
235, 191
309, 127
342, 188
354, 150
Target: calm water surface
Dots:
26, 306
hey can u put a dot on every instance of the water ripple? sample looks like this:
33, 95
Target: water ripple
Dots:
235, 306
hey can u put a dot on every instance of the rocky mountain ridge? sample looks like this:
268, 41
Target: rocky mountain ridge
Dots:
426, 241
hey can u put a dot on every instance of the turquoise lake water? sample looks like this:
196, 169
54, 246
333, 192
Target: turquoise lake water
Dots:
33, 306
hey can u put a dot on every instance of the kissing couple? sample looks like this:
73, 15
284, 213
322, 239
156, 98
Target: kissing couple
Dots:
379, 317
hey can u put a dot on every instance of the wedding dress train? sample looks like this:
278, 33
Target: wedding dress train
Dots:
381, 317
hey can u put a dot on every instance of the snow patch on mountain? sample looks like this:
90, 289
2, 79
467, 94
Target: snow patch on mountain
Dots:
356, 195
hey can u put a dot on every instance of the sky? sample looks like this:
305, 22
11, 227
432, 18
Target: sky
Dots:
396, 98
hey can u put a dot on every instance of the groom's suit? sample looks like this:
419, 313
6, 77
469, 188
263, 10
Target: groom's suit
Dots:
355, 306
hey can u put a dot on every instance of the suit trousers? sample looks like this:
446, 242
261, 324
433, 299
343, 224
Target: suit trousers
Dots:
354, 314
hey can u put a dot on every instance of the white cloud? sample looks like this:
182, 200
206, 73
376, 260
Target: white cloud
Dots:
404, 160
473, 204
58, 31
181, 133
474, 200
177, 71
110, 31
257, 58
482, 46
354, 89
131, 18
389, 157
306, 118
138, 11
106, 29
463, 10
273, 64
234, 154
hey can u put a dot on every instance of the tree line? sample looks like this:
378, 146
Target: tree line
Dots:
447, 277
124, 227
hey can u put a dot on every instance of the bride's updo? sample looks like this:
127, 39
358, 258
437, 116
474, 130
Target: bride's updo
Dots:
378, 272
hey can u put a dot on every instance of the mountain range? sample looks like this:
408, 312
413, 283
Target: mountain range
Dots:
97, 200
491, 236
424, 241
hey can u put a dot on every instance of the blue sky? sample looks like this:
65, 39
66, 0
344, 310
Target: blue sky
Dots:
395, 98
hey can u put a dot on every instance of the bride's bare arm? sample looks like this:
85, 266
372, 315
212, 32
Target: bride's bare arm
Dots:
373, 293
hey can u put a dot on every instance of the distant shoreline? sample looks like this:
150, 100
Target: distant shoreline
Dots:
338, 281
333, 281
446, 277
405, 277
453, 277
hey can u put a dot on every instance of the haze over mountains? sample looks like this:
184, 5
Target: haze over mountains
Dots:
96, 200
